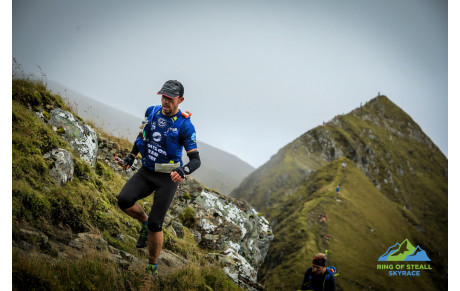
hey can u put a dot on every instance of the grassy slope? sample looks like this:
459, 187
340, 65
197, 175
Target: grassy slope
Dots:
275, 179
361, 227
420, 193
408, 168
86, 204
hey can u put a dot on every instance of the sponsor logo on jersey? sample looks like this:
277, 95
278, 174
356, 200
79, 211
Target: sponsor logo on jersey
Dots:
162, 122
156, 136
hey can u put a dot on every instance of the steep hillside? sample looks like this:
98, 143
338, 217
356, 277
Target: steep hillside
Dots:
220, 170
69, 233
360, 224
390, 149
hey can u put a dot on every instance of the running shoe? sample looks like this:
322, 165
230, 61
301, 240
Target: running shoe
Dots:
142, 241
152, 270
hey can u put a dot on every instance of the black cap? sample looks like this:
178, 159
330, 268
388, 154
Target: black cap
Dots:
172, 89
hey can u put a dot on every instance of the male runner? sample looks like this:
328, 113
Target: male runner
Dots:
167, 130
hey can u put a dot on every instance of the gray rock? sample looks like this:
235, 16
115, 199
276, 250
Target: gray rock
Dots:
63, 168
35, 236
122, 258
171, 260
26, 246
212, 242
80, 136
238, 269
196, 236
40, 115
235, 229
89, 241
121, 237
178, 228
107, 151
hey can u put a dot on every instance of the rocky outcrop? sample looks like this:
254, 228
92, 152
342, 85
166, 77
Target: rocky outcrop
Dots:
63, 167
235, 224
238, 268
80, 136
108, 150
234, 233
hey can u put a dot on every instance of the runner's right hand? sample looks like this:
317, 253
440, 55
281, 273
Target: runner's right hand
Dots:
128, 161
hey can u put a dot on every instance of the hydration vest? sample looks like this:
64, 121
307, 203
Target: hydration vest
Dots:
173, 148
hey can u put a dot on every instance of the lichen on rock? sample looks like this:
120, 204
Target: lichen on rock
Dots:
80, 136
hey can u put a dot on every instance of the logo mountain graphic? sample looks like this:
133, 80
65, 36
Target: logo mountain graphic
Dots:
404, 252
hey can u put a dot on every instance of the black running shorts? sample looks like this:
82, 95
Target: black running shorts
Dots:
141, 185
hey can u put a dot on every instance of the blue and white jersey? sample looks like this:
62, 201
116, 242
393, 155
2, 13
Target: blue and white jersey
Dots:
165, 139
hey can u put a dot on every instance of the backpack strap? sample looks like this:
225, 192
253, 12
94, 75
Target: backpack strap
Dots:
152, 108
142, 142
173, 136
331, 271
151, 112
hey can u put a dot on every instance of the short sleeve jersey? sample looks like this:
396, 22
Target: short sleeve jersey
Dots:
161, 124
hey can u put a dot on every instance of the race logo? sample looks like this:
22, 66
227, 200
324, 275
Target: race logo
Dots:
156, 136
194, 137
404, 252
162, 122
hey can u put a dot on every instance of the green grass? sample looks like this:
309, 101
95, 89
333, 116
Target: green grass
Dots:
35, 95
198, 278
96, 272
353, 248
187, 217
89, 273
86, 204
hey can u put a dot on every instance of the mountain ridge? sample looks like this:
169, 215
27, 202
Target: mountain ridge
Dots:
402, 165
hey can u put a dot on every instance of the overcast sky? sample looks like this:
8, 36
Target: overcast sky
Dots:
257, 74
